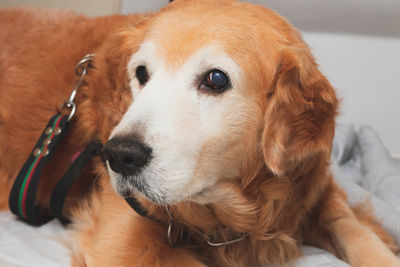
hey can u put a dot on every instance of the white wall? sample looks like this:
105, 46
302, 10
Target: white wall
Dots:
366, 73
135, 6
367, 17
87, 7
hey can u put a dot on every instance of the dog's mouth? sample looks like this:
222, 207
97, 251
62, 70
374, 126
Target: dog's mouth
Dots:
162, 178
128, 186
138, 184
127, 159
154, 190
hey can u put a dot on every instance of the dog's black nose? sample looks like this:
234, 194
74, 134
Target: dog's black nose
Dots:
126, 155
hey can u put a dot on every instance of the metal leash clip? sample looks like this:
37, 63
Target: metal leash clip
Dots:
81, 70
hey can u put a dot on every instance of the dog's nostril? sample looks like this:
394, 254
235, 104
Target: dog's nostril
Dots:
128, 161
126, 155
135, 159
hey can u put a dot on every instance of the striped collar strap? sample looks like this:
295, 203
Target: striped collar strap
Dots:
23, 193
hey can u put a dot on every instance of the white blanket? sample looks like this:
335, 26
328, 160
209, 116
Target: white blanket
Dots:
362, 166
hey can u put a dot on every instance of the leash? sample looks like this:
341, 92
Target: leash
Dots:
23, 193
22, 200
61, 189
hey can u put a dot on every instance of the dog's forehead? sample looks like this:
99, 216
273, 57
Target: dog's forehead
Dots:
181, 32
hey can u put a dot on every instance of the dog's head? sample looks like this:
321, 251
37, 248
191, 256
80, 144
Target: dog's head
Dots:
220, 90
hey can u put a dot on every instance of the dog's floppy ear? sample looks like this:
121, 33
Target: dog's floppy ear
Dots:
299, 119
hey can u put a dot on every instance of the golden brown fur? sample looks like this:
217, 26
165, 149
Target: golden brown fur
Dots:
285, 195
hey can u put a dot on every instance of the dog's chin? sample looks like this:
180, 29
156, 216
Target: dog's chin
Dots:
131, 186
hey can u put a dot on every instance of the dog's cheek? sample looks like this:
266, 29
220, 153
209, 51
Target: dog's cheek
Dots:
121, 103
111, 110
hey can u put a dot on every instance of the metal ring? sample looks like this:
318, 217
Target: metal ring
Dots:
80, 66
169, 235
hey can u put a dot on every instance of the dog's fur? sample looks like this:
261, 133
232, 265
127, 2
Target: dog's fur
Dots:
254, 159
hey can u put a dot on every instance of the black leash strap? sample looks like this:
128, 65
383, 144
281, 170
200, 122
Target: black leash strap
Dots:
23, 193
61, 189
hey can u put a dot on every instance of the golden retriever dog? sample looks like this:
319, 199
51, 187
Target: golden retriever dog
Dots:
213, 115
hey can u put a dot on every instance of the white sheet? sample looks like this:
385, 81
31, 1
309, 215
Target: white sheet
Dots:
25, 245
362, 166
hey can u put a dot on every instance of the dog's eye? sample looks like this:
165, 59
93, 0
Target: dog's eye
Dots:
215, 81
142, 75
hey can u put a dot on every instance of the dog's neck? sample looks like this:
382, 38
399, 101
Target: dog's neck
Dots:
267, 211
